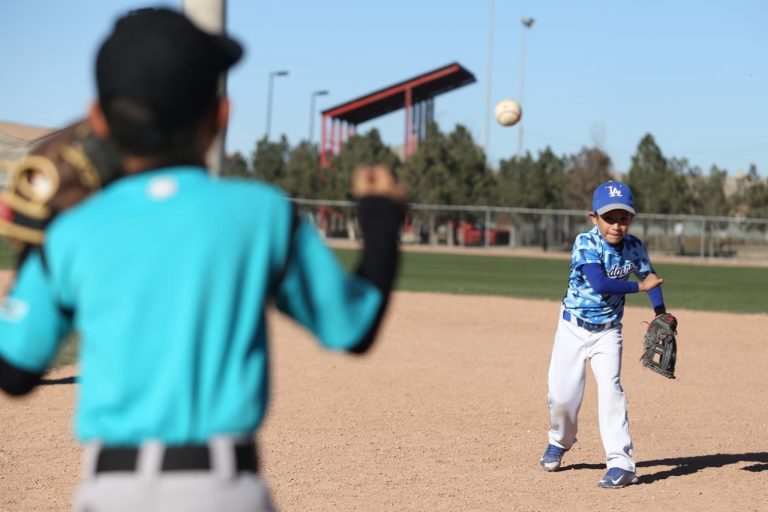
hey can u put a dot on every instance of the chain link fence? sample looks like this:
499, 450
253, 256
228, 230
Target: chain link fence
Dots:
550, 230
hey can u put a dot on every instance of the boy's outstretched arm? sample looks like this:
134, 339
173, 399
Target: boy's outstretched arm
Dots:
381, 209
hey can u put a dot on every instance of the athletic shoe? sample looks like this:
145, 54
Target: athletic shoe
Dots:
552, 457
616, 478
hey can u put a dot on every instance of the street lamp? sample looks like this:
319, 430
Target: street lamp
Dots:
312, 112
272, 76
527, 23
488, 69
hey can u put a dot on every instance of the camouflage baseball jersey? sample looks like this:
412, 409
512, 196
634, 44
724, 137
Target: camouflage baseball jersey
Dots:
590, 247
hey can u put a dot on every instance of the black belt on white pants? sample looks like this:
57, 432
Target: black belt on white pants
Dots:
176, 458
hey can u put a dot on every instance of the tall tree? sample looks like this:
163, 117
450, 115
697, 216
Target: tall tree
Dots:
513, 178
426, 173
359, 149
449, 169
584, 172
269, 160
655, 184
236, 166
548, 180
472, 180
303, 178
751, 197
530, 183
708, 192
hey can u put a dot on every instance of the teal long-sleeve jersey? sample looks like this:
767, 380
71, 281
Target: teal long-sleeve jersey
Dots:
166, 276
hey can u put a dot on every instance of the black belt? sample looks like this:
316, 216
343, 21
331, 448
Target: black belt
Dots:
176, 458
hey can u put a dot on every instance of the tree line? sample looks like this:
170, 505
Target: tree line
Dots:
450, 169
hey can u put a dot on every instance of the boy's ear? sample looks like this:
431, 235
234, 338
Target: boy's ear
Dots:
222, 114
98, 121
593, 218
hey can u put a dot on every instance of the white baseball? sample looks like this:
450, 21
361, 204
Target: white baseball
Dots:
508, 112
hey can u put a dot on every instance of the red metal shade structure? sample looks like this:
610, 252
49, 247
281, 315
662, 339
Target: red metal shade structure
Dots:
416, 95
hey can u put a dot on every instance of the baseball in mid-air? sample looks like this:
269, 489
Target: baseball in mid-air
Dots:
508, 112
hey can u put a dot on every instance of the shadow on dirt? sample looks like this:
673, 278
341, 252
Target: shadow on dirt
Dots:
53, 382
582, 465
689, 465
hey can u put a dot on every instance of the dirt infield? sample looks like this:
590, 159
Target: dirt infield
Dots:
449, 413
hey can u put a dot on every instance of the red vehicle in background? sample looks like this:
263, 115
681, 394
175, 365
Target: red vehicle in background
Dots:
474, 234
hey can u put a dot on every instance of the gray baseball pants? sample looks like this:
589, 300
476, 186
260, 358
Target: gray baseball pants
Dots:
148, 489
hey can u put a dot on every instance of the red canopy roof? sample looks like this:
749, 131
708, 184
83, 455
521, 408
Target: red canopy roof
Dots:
391, 98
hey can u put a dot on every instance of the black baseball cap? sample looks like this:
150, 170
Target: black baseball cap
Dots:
158, 59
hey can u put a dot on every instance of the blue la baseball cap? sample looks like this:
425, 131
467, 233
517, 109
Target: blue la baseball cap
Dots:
612, 195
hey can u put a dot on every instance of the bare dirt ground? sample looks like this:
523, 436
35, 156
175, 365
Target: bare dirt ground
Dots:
449, 413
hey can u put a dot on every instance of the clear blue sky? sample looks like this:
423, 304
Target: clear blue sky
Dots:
694, 73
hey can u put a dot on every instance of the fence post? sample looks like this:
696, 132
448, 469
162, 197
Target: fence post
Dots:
432, 234
487, 227
703, 236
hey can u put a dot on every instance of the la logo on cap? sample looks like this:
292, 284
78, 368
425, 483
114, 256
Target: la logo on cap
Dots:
613, 191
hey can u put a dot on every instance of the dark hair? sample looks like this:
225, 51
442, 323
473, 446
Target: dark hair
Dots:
136, 132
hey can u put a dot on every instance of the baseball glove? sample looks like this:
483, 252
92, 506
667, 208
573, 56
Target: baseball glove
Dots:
59, 171
661, 345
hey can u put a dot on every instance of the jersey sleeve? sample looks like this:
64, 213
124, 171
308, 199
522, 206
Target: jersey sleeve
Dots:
585, 251
32, 324
641, 263
316, 291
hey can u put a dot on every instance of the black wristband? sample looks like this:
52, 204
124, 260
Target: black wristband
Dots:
380, 219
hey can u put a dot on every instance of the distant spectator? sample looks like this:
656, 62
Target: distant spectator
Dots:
679, 237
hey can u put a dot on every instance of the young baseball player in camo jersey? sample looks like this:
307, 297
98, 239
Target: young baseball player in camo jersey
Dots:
589, 328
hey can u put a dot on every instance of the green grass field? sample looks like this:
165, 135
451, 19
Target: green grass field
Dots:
698, 287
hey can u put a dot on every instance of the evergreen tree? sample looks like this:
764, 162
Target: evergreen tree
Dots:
530, 183
303, 178
656, 186
584, 172
269, 160
472, 182
358, 149
751, 197
426, 173
513, 181
235, 166
548, 180
708, 192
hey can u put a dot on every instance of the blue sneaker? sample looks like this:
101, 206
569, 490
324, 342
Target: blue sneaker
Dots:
552, 457
617, 478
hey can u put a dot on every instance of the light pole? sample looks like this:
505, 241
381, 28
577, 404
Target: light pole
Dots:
211, 15
488, 68
272, 76
527, 22
312, 112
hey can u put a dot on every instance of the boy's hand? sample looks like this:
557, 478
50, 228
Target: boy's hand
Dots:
650, 282
376, 180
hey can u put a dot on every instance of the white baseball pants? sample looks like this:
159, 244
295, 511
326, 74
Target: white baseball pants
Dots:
567, 375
